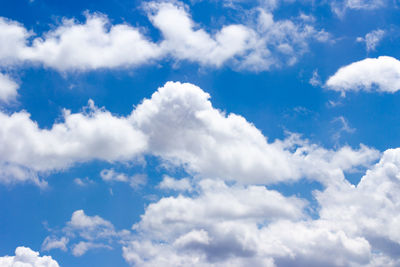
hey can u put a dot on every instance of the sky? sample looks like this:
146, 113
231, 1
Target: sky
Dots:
199, 133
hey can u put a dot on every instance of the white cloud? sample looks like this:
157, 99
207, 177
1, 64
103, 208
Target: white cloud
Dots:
28, 258
8, 88
340, 7
380, 74
72, 45
372, 39
170, 183
13, 40
315, 80
94, 134
364, 4
249, 226
218, 145
218, 222
211, 143
83, 182
78, 46
82, 247
135, 181
84, 233
239, 226
52, 242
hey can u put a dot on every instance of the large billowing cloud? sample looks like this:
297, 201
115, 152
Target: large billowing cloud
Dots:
78, 46
28, 258
211, 143
380, 74
240, 226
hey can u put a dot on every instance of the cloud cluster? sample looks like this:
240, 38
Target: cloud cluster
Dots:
28, 258
380, 74
77, 46
211, 143
253, 226
86, 233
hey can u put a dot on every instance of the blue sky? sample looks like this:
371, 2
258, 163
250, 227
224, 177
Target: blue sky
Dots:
199, 133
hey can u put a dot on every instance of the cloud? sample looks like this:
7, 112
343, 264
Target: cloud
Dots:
372, 39
52, 242
84, 233
8, 88
92, 134
83, 182
211, 143
26, 257
315, 80
135, 181
257, 45
218, 145
235, 225
380, 74
82, 247
340, 7
170, 183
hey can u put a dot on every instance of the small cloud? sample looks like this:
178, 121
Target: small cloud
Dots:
315, 80
345, 127
82, 247
372, 39
169, 183
83, 182
52, 242
135, 181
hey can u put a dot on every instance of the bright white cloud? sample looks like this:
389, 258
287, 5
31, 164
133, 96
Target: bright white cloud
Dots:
215, 144
92, 45
84, 233
211, 143
250, 226
27, 258
72, 45
380, 74
94, 134
372, 39
8, 88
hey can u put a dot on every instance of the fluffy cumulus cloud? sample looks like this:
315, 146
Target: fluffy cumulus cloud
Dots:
25, 148
235, 225
84, 233
219, 145
76, 46
212, 143
28, 258
380, 74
